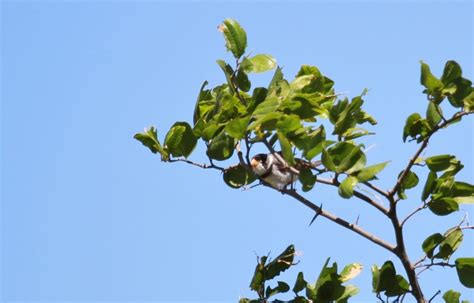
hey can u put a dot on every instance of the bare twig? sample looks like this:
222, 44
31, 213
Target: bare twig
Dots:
205, 166
420, 208
359, 195
434, 296
443, 264
376, 189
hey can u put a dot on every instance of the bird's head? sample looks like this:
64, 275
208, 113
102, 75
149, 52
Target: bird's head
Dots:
259, 164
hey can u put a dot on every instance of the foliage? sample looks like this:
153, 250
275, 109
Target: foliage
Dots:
327, 288
287, 115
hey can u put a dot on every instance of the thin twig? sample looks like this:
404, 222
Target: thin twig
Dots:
443, 264
359, 195
377, 189
424, 144
420, 208
434, 296
205, 166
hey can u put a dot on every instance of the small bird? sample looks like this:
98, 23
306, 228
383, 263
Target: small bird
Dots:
279, 175
268, 168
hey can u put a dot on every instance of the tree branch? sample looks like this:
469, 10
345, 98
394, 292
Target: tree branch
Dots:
423, 206
422, 147
443, 264
353, 227
359, 195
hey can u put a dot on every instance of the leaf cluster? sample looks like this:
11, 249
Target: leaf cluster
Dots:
285, 115
329, 287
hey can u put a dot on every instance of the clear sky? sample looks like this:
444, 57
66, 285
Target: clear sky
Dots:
88, 214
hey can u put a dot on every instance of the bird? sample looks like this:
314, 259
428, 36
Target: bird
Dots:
278, 174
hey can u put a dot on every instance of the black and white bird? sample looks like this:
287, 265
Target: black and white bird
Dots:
268, 168
275, 172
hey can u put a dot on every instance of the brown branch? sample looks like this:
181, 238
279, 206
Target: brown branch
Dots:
353, 227
359, 195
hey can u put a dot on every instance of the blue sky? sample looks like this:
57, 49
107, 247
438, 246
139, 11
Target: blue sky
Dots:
88, 214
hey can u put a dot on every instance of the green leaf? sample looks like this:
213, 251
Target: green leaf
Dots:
469, 102
349, 291
351, 271
430, 244
440, 162
243, 82
451, 296
463, 90
344, 157
203, 95
238, 176
433, 114
354, 133
429, 185
286, 149
278, 76
368, 173
452, 71
300, 82
280, 263
281, 288
443, 206
463, 192
300, 283
180, 140
312, 144
228, 71
386, 279
288, 123
465, 269
235, 37
429, 81
237, 127
221, 147
258, 279
399, 287
411, 180
452, 239
327, 287
413, 126
346, 188
375, 279
307, 179
270, 105
259, 63
149, 138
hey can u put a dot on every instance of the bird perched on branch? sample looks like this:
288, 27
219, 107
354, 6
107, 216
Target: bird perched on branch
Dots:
277, 173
